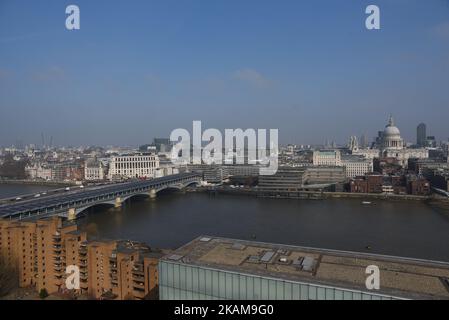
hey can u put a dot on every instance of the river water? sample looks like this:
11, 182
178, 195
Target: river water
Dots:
408, 229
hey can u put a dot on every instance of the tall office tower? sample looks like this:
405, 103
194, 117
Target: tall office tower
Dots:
363, 141
421, 135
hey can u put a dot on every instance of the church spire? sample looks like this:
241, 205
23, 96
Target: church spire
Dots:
391, 121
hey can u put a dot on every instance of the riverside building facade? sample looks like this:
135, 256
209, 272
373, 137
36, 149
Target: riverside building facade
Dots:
141, 165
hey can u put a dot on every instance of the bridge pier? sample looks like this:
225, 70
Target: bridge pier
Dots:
152, 194
71, 214
118, 203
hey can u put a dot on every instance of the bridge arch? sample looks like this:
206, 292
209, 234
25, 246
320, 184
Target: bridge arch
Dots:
84, 210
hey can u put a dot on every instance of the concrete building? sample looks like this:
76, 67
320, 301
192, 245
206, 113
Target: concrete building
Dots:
353, 164
419, 165
219, 268
324, 175
388, 166
356, 166
139, 165
327, 158
445, 149
39, 171
214, 174
242, 170
285, 180
94, 170
367, 153
438, 178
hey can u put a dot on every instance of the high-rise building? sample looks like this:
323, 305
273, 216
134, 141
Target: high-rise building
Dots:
39, 252
421, 135
363, 141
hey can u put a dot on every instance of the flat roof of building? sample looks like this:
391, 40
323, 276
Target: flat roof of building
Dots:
399, 277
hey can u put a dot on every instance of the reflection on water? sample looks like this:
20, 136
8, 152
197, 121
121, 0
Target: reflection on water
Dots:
410, 229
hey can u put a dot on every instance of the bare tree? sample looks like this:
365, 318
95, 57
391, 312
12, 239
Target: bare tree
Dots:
9, 279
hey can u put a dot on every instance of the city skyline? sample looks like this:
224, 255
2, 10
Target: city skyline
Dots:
48, 141
137, 73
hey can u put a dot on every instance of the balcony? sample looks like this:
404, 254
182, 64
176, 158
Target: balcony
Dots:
138, 273
138, 293
138, 278
138, 284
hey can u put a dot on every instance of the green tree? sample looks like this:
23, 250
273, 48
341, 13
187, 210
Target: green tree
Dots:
9, 279
12, 169
43, 293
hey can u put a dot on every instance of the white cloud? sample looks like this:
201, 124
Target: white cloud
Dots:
252, 77
442, 30
50, 74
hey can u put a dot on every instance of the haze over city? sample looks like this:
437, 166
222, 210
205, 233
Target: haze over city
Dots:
310, 69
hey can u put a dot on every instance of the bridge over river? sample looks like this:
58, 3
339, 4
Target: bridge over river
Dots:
71, 204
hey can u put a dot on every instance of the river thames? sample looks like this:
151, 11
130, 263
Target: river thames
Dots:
400, 228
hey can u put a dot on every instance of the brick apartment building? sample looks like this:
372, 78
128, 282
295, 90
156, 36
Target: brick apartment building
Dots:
39, 251
377, 183
371, 183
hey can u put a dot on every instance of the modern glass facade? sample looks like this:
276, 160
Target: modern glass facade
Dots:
178, 281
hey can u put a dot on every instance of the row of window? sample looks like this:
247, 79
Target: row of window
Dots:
134, 165
189, 282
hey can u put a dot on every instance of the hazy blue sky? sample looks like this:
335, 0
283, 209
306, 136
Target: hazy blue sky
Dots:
138, 69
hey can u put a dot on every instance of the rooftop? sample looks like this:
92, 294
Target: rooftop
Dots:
399, 277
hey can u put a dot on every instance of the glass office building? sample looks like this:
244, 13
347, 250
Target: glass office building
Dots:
184, 282
218, 268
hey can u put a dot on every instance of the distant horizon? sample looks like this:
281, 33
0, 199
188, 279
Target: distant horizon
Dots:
370, 139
